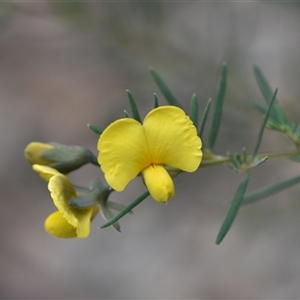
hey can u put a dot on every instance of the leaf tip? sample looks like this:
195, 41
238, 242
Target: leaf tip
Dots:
218, 240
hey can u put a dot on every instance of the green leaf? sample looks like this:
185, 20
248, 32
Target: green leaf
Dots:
164, 89
156, 104
239, 158
270, 190
260, 108
234, 163
126, 210
231, 167
277, 112
256, 162
194, 110
95, 128
244, 155
234, 208
134, 108
263, 125
272, 123
204, 118
233, 160
218, 107
107, 215
115, 205
126, 114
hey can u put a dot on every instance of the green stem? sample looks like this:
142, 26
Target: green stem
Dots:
220, 159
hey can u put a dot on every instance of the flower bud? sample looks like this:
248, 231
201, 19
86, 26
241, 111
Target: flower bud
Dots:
60, 157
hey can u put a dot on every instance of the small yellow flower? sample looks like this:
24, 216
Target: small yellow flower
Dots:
68, 221
167, 137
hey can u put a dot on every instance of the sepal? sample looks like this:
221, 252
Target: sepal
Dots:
95, 128
85, 198
68, 158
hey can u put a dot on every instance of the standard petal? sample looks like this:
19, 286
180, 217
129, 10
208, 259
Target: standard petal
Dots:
33, 153
172, 138
62, 191
159, 183
45, 171
123, 152
58, 226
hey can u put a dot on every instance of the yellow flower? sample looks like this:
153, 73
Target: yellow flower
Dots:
68, 221
167, 137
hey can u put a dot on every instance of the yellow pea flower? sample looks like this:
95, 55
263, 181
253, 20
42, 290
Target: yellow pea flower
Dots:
68, 221
167, 137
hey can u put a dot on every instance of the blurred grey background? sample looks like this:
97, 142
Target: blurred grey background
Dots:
66, 64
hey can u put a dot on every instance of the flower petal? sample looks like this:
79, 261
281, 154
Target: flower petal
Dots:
62, 191
159, 183
45, 171
33, 153
123, 152
58, 226
172, 138
84, 217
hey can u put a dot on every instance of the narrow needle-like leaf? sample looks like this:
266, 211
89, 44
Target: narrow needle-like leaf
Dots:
115, 205
270, 190
262, 109
156, 104
277, 113
126, 210
263, 125
194, 110
234, 208
95, 128
126, 114
233, 160
134, 108
107, 215
204, 118
164, 89
218, 107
